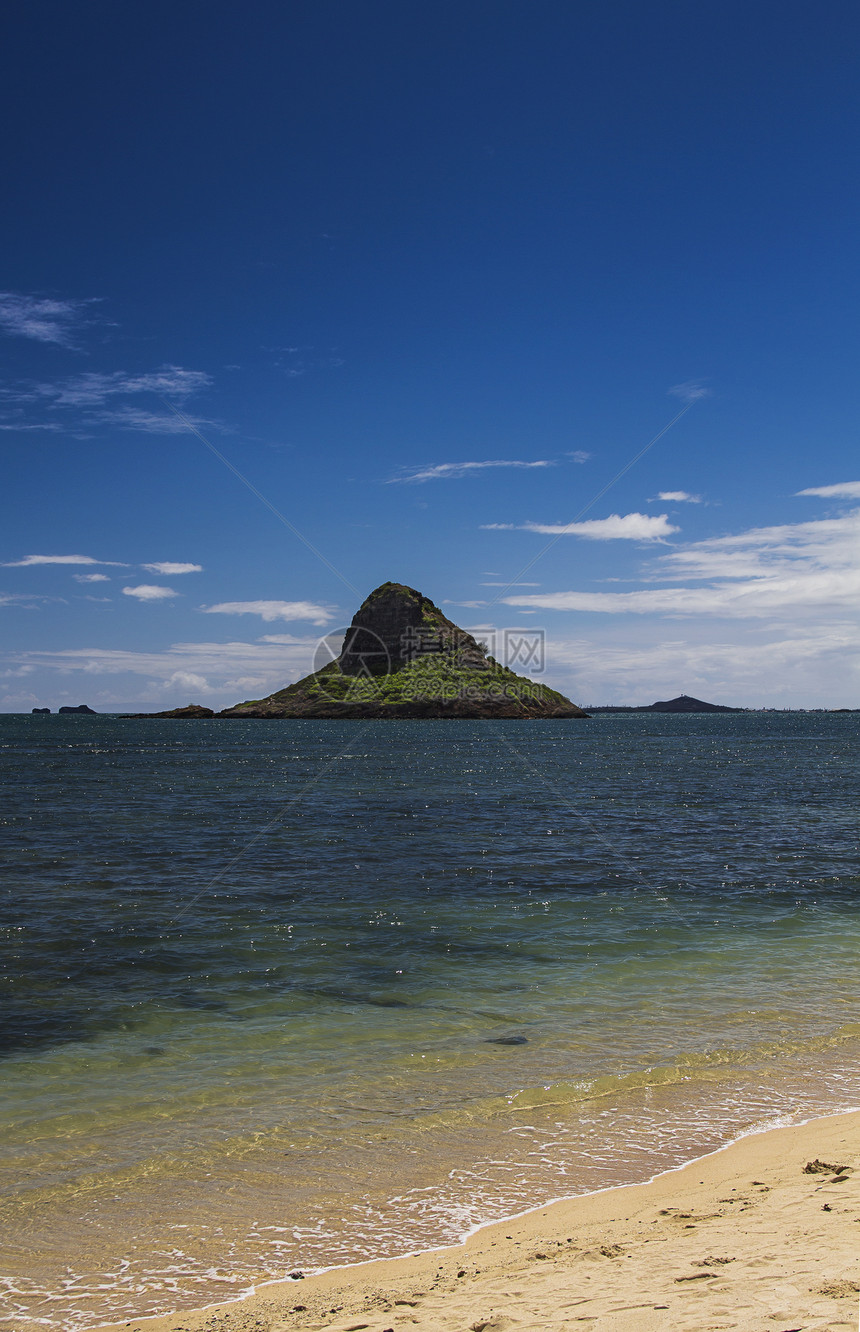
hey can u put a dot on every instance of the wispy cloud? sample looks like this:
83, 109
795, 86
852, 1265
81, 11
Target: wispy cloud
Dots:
811, 568
19, 599
149, 592
452, 471
510, 585
842, 490
766, 552
298, 361
693, 390
284, 639
40, 318
148, 423
96, 399
58, 559
273, 610
617, 527
675, 497
579, 456
726, 599
18, 425
94, 388
168, 569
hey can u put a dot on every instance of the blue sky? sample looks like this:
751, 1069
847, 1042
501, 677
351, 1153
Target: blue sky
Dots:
301, 298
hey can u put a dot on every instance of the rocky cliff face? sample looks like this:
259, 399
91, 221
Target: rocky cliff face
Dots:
396, 625
402, 657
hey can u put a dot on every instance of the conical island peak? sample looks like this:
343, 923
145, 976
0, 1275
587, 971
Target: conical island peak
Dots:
402, 657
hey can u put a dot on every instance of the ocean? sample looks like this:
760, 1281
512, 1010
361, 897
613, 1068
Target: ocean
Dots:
284, 995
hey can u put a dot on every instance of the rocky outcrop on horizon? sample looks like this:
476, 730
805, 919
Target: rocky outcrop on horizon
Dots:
683, 703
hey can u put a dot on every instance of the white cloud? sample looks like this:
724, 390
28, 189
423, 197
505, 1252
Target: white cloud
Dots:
693, 390
762, 597
188, 680
91, 578
273, 610
617, 527
168, 569
810, 568
225, 672
791, 549
450, 471
149, 592
579, 455
510, 585
57, 559
676, 497
283, 639
843, 490
40, 318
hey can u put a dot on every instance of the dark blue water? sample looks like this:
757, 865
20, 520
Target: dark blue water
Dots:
262, 979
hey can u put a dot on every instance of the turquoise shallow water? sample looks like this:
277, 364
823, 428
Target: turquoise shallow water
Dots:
281, 995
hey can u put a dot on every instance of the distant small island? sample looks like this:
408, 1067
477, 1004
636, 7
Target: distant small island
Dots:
683, 703
66, 709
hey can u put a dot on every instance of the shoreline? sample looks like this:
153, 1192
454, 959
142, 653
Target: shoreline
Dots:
783, 1254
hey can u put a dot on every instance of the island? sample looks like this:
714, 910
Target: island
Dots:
683, 703
403, 657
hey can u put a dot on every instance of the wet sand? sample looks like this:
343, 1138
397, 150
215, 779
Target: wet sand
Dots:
763, 1236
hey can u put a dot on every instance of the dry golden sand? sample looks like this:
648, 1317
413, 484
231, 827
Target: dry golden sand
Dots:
745, 1239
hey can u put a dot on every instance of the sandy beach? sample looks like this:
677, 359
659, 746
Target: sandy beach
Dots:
763, 1236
